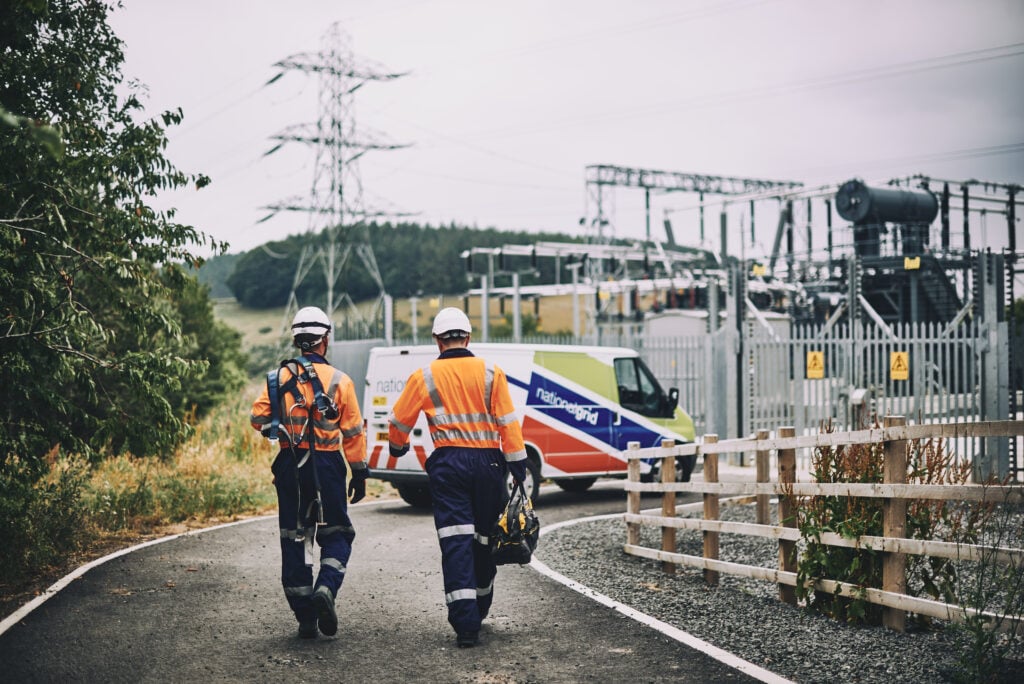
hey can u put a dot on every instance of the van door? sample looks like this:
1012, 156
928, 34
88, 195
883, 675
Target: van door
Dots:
639, 392
573, 430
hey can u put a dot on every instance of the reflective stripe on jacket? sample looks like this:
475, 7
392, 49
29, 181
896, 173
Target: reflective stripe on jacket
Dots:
467, 404
344, 434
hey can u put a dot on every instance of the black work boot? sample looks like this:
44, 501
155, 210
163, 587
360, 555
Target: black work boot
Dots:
323, 604
467, 639
307, 629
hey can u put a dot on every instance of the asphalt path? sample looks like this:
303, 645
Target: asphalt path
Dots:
208, 606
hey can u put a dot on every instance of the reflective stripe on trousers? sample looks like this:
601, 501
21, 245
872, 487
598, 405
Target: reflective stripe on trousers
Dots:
468, 491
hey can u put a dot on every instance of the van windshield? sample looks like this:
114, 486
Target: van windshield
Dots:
638, 389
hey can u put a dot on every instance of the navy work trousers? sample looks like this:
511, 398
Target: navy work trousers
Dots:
297, 516
468, 491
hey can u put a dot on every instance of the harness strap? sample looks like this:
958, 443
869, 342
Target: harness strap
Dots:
323, 404
275, 390
274, 395
302, 371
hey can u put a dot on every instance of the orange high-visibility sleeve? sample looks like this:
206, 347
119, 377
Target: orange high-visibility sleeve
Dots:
406, 412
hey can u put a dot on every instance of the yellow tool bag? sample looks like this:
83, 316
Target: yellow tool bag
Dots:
516, 531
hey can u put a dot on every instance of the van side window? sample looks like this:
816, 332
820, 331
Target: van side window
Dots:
638, 390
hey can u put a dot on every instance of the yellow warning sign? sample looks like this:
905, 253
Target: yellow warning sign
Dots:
815, 365
759, 270
911, 263
899, 365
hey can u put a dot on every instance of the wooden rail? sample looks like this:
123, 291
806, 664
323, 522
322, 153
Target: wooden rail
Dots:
894, 491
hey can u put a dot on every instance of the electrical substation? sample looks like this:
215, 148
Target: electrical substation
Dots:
874, 297
882, 285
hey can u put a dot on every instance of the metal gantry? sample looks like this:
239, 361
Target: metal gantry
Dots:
599, 177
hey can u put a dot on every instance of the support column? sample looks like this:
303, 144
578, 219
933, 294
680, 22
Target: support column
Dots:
894, 524
711, 510
668, 502
787, 514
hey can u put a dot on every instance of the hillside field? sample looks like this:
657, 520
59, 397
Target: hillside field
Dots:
266, 326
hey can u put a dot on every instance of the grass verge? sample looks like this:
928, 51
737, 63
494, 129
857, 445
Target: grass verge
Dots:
222, 474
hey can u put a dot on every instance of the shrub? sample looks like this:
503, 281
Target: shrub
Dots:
928, 462
42, 518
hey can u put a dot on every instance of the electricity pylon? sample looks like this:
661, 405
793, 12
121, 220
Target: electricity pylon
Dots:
335, 206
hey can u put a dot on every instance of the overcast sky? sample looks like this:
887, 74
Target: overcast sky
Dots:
505, 104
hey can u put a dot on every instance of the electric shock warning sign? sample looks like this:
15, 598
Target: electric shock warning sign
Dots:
815, 365
899, 365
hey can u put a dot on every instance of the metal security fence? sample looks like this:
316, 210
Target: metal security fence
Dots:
735, 382
843, 374
686, 364
848, 373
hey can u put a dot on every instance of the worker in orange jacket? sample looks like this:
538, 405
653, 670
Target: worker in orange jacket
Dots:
311, 408
477, 442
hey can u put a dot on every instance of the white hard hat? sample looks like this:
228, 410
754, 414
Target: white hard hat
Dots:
451, 320
310, 320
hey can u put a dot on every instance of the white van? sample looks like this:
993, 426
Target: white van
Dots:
579, 407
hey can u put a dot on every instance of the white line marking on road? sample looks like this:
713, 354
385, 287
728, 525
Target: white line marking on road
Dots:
52, 590
668, 630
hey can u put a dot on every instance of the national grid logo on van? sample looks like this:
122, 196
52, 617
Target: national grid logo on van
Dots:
558, 397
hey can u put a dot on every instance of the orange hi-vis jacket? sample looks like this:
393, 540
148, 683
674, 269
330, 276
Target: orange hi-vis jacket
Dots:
344, 433
467, 404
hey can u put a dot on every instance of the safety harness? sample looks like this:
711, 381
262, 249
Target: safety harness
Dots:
302, 372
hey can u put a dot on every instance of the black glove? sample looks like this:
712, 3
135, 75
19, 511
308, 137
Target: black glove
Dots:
397, 452
357, 485
518, 470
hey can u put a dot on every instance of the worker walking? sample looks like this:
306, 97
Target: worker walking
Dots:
311, 408
477, 441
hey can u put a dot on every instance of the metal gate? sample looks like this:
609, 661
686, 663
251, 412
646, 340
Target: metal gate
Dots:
846, 374
736, 382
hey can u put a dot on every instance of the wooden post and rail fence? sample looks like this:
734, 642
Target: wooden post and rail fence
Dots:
894, 492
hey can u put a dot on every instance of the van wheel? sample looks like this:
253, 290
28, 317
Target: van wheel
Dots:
576, 484
417, 496
532, 483
684, 469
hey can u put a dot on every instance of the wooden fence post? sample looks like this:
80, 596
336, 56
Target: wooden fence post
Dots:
787, 514
668, 502
633, 498
894, 524
761, 466
711, 510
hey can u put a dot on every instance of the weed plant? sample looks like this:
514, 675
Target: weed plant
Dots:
222, 472
995, 584
928, 462
42, 519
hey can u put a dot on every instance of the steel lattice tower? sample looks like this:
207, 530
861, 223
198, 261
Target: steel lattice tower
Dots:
335, 206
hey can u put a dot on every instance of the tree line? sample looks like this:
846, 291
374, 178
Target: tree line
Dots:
411, 258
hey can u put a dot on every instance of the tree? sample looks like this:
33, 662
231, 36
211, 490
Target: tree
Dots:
412, 258
204, 337
95, 354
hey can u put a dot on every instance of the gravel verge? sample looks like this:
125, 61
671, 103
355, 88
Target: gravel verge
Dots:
744, 616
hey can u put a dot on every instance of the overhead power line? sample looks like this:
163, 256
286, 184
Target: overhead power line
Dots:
733, 97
